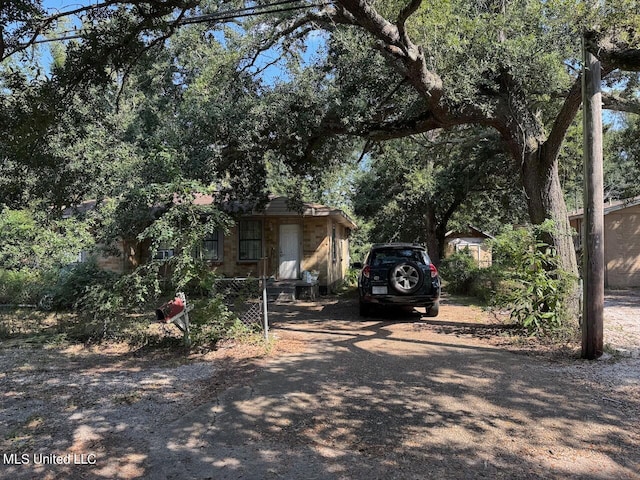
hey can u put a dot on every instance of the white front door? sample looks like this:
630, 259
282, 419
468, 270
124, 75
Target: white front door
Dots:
289, 252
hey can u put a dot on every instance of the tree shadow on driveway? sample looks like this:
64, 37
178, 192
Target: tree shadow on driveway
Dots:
383, 399
379, 399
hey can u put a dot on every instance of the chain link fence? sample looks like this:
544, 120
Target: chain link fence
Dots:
245, 298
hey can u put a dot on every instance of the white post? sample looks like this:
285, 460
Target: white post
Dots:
264, 299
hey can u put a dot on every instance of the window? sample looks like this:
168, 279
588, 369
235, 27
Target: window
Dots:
250, 240
163, 253
211, 248
334, 246
391, 256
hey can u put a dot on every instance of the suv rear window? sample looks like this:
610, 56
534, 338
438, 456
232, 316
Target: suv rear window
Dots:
391, 256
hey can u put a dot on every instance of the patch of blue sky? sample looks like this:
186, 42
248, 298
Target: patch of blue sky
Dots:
271, 66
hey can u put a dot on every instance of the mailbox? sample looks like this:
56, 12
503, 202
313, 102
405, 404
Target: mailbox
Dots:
170, 309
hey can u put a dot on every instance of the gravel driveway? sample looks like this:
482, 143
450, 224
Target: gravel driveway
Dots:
622, 322
400, 396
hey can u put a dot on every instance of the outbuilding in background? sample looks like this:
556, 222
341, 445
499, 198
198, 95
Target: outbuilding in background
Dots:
472, 239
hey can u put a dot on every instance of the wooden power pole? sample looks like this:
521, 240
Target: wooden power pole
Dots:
593, 221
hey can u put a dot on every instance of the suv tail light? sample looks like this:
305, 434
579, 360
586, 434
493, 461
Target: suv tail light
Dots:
366, 271
434, 270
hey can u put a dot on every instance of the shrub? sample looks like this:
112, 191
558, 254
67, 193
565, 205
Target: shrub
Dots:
351, 277
70, 285
488, 284
211, 320
110, 296
200, 281
20, 286
458, 271
536, 287
525, 277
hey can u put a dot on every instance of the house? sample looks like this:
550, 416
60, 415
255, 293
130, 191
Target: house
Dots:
278, 240
621, 242
471, 239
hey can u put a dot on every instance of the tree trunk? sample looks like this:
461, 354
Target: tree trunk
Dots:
431, 234
433, 248
545, 200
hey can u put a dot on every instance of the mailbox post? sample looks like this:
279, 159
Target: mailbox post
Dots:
177, 312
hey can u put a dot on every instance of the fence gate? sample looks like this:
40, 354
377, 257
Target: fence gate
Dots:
246, 297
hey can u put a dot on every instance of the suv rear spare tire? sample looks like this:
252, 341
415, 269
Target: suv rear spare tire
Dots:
406, 278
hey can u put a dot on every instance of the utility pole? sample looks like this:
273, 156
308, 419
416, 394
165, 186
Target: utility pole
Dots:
593, 221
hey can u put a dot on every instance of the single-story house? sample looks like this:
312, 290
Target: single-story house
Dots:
621, 241
284, 241
472, 239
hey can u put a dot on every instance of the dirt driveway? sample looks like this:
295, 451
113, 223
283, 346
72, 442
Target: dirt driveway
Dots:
399, 396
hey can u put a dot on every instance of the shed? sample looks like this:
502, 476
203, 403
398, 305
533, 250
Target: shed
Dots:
472, 239
621, 241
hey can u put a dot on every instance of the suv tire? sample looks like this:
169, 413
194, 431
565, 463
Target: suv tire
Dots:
406, 278
365, 309
433, 310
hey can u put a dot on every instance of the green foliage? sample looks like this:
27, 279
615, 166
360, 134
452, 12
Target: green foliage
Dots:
102, 298
74, 285
28, 239
622, 160
417, 188
351, 277
489, 285
458, 271
20, 287
538, 287
525, 277
211, 320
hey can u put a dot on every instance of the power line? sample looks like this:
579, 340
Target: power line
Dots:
206, 18
209, 16
194, 20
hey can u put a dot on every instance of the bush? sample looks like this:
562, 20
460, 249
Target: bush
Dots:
525, 277
489, 285
536, 288
211, 321
70, 285
458, 271
200, 281
20, 286
351, 277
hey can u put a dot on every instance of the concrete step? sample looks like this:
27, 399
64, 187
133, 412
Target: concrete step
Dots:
281, 292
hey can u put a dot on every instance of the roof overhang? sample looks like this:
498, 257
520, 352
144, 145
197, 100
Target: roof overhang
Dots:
612, 207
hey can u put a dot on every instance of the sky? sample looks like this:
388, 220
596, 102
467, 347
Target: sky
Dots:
63, 5
271, 75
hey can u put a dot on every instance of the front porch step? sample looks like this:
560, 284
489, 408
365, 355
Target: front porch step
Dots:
291, 290
281, 292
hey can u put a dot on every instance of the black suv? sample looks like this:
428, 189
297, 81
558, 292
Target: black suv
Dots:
398, 274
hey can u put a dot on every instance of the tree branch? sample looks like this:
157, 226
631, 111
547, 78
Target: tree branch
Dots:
564, 118
404, 15
39, 26
613, 51
612, 101
156, 41
328, 18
